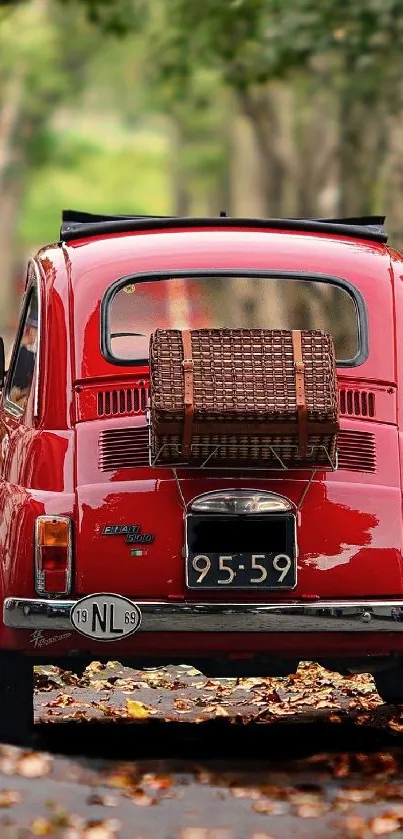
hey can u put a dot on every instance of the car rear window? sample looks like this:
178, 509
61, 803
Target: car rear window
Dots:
133, 310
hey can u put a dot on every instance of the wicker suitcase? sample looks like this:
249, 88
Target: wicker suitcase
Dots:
243, 397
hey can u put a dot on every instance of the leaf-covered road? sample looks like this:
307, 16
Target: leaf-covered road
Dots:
183, 694
313, 755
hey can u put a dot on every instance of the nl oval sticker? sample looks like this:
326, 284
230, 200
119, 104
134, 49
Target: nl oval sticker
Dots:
105, 617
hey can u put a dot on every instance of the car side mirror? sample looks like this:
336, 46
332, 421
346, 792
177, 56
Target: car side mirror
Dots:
2, 364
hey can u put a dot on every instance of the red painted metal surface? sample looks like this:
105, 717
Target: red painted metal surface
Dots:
350, 526
293, 645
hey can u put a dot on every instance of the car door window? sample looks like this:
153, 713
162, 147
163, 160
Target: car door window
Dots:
23, 366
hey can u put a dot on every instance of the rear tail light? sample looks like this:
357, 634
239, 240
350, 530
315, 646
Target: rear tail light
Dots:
53, 555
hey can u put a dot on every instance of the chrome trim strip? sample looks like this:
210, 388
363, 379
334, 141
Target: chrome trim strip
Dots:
39, 338
319, 616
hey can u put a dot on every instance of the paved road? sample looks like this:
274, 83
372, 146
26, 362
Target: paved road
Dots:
184, 695
310, 756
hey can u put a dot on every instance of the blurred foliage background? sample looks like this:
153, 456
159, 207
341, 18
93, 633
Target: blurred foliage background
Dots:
256, 107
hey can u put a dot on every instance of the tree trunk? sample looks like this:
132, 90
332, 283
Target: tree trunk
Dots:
10, 115
262, 115
11, 111
314, 148
247, 186
17, 126
179, 182
10, 205
363, 145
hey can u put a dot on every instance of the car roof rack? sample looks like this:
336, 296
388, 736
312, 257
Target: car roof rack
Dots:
78, 225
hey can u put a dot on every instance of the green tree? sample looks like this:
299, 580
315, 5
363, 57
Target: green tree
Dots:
353, 51
38, 70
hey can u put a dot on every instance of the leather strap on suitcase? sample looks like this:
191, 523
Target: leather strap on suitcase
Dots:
302, 410
188, 366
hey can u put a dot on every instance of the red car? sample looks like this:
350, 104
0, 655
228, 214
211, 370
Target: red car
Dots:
100, 549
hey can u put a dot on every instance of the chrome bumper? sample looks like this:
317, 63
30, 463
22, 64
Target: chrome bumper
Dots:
329, 616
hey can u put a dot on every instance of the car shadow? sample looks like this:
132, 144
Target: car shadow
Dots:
297, 737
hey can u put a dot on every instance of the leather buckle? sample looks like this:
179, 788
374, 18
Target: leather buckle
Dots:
188, 364
299, 366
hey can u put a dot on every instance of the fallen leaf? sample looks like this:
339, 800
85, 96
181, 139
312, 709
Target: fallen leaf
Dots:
261, 836
95, 667
342, 767
8, 797
221, 712
183, 704
103, 800
301, 797
60, 816
137, 710
356, 826
106, 709
311, 810
43, 682
275, 808
158, 782
100, 684
397, 809
355, 795
34, 765
244, 792
42, 827
67, 677
395, 726
61, 701
8, 766
142, 799
101, 830
383, 825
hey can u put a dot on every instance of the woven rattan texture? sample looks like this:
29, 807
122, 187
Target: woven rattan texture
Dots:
240, 450
243, 375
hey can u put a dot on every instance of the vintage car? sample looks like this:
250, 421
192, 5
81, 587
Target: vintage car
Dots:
106, 553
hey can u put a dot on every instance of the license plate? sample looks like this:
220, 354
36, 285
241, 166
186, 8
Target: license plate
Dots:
241, 553
105, 617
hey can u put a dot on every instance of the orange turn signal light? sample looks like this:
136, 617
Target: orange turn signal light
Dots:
53, 532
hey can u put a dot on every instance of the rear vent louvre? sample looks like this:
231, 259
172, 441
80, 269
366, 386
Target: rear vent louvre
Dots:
356, 403
357, 451
121, 448
123, 401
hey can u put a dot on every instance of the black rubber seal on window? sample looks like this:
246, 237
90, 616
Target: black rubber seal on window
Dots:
355, 294
9, 405
77, 225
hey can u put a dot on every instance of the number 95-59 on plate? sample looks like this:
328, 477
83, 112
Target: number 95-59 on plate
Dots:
246, 570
